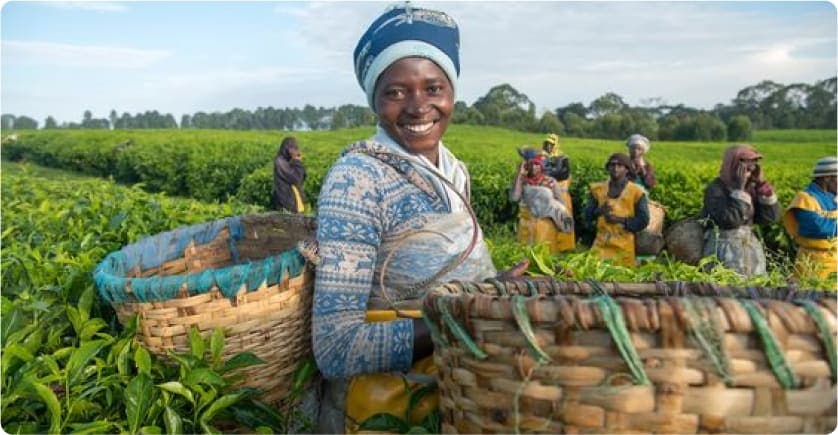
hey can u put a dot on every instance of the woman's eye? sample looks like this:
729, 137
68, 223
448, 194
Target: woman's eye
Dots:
434, 90
394, 93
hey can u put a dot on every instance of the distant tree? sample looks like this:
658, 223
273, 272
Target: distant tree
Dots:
50, 124
739, 128
504, 106
7, 120
113, 118
549, 123
577, 108
606, 104
25, 123
185, 121
576, 126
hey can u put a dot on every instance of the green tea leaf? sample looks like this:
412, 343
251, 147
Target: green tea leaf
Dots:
142, 359
79, 359
85, 303
93, 427
218, 405
196, 343
173, 421
244, 359
204, 375
151, 430
177, 388
50, 400
138, 397
384, 422
217, 346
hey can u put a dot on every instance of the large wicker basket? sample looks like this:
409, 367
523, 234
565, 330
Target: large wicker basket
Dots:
554, 357
242, 274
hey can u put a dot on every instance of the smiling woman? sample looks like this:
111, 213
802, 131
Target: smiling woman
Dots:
393, 221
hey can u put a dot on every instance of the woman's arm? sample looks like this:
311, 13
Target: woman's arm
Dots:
649, 176
518, 184
349, 228
814, 226
768, 209
640, 220
727, 210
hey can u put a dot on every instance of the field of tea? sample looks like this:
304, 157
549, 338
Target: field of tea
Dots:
70, 197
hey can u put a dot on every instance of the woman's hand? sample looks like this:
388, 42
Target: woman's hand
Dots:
522, 169
743, 173
515, 271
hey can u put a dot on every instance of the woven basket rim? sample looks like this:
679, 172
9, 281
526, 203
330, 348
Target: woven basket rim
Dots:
544, 287
103, 270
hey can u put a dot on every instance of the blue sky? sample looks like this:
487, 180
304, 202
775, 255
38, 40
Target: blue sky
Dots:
61, 58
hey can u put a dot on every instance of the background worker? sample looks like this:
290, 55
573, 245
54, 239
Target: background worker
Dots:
812, 221
620, 209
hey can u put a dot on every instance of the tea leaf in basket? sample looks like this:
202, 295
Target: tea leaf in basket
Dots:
776, 359
519, 311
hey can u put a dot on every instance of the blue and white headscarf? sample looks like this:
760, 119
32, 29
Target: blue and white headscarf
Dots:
404, 31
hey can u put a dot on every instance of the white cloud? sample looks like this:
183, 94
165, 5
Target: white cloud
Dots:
88, 56
98, 6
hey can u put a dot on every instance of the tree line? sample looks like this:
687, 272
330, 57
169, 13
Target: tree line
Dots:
766, 105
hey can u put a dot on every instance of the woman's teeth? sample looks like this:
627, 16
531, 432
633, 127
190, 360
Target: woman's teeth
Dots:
419, 128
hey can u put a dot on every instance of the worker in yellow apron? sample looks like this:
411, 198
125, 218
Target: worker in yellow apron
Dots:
620, 208
545, 213
811, 220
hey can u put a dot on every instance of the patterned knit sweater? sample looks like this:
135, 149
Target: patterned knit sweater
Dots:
366, 208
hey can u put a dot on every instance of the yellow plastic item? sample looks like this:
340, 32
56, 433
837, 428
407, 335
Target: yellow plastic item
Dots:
613, 241
373, 316
301, 208
815, 257
372, 394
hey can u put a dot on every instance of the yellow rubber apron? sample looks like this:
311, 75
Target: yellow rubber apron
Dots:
613, 241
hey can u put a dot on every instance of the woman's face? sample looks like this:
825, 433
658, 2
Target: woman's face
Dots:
616, 170
636, 151
534, 169
414, 102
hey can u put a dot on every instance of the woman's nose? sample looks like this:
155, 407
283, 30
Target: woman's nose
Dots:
418, 103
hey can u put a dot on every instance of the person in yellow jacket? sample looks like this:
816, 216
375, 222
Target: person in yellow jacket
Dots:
812, 221
544, 213
620, 208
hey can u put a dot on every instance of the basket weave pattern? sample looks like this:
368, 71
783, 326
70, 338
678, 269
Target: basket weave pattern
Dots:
272, 321
585, 384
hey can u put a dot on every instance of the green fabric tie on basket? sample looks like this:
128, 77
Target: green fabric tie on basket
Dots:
707, 333
823, 332
776, 360
612, 315
519, 311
